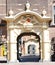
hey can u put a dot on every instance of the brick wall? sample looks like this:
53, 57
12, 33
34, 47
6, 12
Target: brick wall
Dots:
18, 5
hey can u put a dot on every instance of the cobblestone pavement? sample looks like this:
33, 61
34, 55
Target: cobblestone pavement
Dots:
30, 63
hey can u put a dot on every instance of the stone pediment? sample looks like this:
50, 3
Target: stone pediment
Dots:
18, 15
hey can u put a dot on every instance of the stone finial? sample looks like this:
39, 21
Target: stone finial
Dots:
10, 12
44, 12
27, 5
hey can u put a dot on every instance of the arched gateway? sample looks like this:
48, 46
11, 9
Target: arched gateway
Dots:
28, 34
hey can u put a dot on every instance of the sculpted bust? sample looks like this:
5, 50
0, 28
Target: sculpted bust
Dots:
27, 5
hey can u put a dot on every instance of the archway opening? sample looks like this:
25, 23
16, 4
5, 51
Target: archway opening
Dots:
28, 47
31, 49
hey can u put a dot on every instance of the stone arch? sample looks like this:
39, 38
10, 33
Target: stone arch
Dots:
38, 17
31, 49
27, 44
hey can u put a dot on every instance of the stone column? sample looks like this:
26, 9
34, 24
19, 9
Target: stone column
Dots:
47, 45
13, 46
13, 53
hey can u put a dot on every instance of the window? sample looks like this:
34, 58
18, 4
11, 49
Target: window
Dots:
53, 14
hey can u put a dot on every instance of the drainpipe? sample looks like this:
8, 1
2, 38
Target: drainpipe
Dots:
6, 7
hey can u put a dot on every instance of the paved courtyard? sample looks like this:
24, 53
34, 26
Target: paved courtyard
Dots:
30, 63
